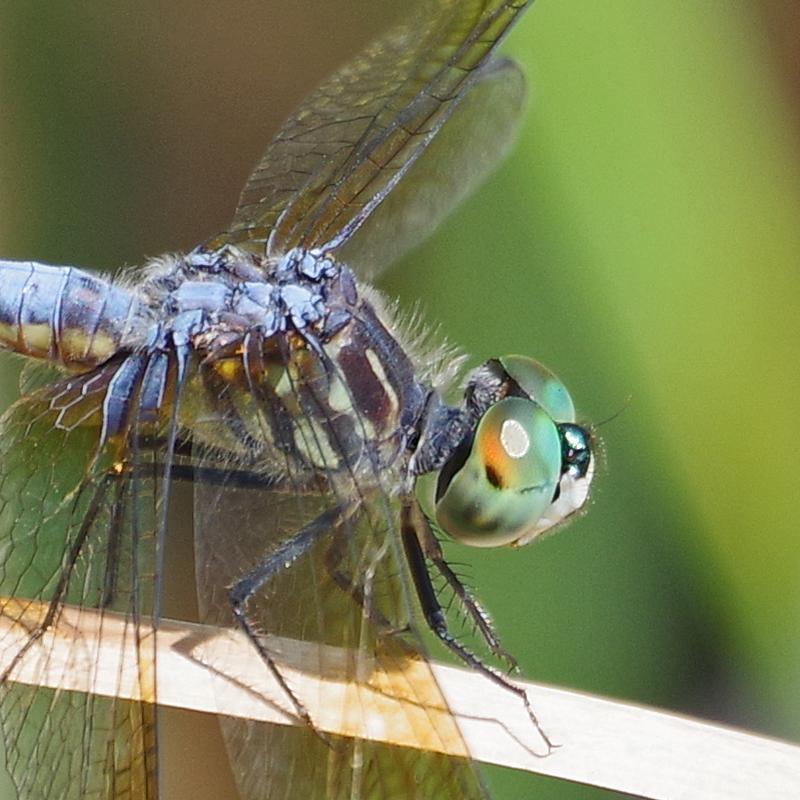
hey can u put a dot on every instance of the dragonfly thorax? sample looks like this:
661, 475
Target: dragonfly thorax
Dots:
232, 291
311, 377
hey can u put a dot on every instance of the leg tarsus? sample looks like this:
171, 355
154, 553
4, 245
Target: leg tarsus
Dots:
435, 616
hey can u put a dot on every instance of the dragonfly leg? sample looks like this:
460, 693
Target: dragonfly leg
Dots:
436, 618
433, 552
273, 563
334, 556
187, 471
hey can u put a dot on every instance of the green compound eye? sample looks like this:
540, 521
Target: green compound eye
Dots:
508, 477
540, 385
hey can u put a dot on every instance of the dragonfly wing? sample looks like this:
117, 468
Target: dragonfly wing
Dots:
348, 590
75, 532
475, 138
350, 144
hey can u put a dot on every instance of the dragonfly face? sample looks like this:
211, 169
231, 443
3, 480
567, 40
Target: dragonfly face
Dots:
264, 369
523, 467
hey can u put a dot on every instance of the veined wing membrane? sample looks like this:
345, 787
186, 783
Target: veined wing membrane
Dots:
73, 530
350, 589
336, 160
473, 140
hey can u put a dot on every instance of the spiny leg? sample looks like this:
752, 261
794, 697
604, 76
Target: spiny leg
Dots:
326, 524
433, 552
435, 616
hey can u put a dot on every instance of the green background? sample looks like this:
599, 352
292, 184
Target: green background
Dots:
642, 240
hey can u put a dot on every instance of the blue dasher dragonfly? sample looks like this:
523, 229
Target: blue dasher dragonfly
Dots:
262, 368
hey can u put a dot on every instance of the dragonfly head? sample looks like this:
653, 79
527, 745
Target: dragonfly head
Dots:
525, 466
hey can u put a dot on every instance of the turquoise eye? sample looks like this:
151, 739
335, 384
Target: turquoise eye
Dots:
540, 385
504, 479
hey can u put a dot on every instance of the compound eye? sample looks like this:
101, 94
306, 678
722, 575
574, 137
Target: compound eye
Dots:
540, 385
507, 478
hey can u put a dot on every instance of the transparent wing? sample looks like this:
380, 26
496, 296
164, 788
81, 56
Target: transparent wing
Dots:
351, 589
475, 138
341, 155
75, 531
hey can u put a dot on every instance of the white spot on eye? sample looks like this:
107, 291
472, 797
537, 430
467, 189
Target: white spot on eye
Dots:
514, 439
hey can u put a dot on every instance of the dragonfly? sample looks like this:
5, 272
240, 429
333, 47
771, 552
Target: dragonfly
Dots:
326, 457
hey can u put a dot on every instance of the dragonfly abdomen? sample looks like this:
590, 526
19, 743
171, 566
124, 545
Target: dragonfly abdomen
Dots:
62, 314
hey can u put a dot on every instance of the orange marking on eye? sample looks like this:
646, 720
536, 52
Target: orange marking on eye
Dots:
494, 456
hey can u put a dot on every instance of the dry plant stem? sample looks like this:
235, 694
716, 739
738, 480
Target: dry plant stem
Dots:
605, 743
